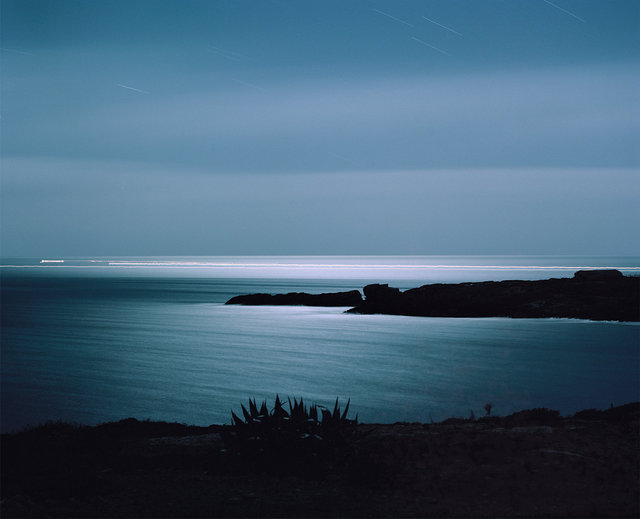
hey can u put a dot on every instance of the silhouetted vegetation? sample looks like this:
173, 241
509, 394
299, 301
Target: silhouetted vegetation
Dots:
623, 413
532, 417
281, 440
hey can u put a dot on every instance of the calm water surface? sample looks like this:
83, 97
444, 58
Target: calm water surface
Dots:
92, 344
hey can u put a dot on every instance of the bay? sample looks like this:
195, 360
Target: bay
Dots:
98, 339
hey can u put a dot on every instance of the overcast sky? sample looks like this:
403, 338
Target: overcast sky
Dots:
320, 127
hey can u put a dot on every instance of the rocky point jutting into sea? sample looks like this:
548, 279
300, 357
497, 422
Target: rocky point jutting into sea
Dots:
601, 295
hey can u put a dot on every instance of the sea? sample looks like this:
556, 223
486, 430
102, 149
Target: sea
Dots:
90, 340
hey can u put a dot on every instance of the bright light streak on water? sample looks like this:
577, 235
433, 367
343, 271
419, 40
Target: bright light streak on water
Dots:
417, 269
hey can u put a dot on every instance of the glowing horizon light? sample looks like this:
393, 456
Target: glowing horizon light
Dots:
401, 267
190, 264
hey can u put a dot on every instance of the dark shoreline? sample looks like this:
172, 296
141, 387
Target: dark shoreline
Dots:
530, 463
598, 295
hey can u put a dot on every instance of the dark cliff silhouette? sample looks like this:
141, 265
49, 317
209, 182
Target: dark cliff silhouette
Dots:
597, 295
351, 298
601, 295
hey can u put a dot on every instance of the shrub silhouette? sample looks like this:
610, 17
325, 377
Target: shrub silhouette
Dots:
537, 416
279, 440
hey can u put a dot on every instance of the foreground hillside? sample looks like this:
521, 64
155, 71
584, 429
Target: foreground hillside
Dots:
532, 463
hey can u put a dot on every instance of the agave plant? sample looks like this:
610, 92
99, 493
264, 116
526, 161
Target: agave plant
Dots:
281, 438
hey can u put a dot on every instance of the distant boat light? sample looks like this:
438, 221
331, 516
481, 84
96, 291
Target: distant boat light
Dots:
51, 261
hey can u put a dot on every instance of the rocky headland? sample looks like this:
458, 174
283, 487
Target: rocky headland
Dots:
351, 298
600, 295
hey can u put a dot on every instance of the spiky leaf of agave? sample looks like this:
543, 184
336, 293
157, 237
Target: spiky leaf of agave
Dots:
346, 410
279, 412
294, 410
336, 410
247, 415
253, 409
236, 419
299, 413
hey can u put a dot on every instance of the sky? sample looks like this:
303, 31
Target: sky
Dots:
184, 127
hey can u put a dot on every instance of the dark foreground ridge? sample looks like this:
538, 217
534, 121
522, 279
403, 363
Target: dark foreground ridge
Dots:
533, 463
600, 295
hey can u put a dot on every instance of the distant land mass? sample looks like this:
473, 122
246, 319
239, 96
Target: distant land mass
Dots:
599, 295
351, 298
